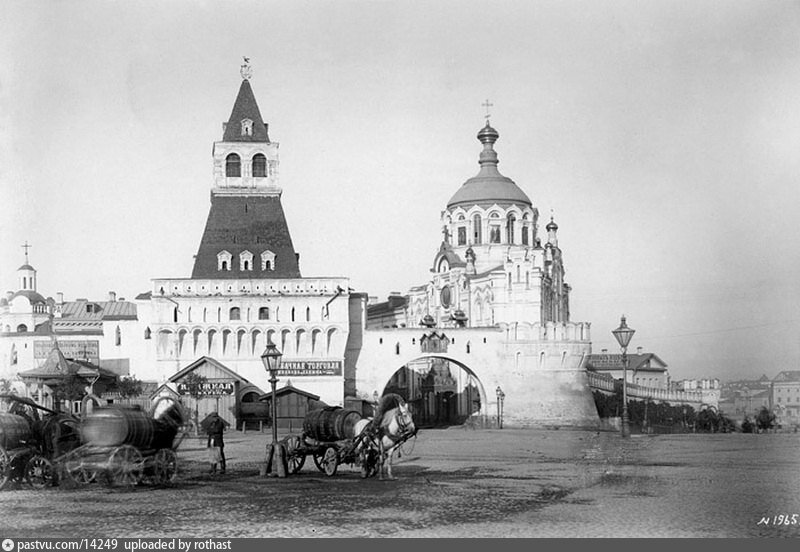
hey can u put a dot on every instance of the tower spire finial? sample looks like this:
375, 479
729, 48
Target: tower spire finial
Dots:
245, 70
487, 105
26, 246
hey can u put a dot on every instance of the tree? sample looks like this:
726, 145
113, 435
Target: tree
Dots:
72, 388
765, 419
193, 383
129, 387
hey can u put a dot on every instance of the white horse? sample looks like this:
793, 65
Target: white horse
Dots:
386, 432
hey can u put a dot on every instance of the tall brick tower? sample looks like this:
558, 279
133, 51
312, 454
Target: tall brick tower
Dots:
246, 235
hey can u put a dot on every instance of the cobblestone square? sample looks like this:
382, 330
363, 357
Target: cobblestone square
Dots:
452, 483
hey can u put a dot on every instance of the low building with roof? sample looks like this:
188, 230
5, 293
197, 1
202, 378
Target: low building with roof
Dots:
105, 333
645, 369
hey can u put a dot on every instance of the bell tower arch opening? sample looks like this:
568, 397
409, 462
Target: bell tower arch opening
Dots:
440, 391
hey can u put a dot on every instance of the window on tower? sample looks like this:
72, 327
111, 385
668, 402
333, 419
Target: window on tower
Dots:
245, 261
462, 235
235, 314
233, 165
259, 165
267, 260
476, 229
263, 313
494, 233
223, 260
247, 127
510, 228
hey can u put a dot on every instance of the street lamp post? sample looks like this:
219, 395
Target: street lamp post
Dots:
624, 334
276, 454
500, 397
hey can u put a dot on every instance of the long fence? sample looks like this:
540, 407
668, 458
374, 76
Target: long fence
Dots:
607, 384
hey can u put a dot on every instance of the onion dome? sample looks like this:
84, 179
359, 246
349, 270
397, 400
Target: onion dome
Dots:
488, 186
551, 225
26, 266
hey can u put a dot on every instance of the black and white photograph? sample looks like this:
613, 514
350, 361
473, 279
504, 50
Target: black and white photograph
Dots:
374, 269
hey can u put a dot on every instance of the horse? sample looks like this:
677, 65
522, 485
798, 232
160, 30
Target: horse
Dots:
390, 428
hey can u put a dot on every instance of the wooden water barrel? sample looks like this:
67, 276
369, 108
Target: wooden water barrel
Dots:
14, 430
110, 427
332, 423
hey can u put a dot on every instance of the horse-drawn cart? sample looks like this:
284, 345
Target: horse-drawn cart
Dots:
330, 438
32, 439
334, 436
125, 446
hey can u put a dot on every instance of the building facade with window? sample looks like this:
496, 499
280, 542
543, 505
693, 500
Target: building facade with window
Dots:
104, 334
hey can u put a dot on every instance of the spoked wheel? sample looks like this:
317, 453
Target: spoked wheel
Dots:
330, 461
166, 466
39, 472
295, 458
5, 467
125, 466
369, 462
78, 469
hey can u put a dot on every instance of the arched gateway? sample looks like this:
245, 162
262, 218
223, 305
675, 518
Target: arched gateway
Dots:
543, 380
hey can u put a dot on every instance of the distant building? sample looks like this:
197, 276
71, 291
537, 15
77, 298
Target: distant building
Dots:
745, 397
786, 398
645, 369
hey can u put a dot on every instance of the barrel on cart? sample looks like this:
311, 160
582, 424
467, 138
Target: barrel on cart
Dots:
126, 445
32, 438
331, 437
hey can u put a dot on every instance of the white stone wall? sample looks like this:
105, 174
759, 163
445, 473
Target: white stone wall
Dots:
543, 377
193, 319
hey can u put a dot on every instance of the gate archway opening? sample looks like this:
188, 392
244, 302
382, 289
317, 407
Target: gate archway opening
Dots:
439, 391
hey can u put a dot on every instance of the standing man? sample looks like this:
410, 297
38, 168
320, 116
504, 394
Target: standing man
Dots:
216, 444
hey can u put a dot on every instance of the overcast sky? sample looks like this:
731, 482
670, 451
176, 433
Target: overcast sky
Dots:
663, 135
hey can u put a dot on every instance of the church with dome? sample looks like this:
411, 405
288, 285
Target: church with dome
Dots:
498, 303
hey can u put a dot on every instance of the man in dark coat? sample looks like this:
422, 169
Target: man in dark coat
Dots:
215, 429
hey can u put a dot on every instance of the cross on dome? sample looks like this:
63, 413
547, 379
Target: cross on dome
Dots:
487, 105
26, 246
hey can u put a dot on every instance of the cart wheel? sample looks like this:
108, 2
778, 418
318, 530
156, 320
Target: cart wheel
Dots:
5, 467
166, 466
369, 462
39, 472
78, 470
125, 466
330, 461
295, 457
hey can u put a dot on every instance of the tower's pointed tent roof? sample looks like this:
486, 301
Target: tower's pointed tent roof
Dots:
245, 108
246, 222
239, 224
488, 186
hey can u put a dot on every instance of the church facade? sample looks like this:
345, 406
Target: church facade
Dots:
498, 305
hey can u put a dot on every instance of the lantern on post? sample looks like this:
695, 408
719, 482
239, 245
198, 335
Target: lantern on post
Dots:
276, 453
624, 334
